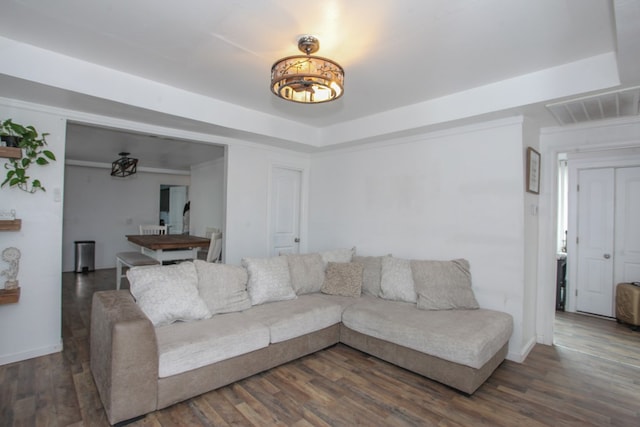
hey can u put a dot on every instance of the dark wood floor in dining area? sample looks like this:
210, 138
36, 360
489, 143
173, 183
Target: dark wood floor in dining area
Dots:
591, 378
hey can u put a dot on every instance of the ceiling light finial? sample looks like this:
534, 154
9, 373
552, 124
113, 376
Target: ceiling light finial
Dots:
307, 79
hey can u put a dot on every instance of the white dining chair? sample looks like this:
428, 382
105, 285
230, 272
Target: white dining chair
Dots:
153, 229
215, 248
208, 231
134, 259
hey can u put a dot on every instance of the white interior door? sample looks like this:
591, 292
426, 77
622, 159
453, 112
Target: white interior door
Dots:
177, 200
286, 185
594, 281
626, 265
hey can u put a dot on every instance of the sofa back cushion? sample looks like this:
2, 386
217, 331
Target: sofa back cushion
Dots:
372, 268
396, 280
443, 285
307, 272
168, 293
337, 255
269, 279
223, 287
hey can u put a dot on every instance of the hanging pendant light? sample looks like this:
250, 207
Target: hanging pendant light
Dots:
124, 166
307, 79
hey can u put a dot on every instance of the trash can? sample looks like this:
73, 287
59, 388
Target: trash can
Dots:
85, 255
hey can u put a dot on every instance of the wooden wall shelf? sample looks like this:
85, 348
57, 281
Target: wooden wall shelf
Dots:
10, 224
11, 152
9, 296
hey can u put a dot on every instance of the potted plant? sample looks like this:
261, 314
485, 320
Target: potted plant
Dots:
32, 145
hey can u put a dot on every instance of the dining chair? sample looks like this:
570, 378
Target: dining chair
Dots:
153, 229
208, 231
215, 248
135, 259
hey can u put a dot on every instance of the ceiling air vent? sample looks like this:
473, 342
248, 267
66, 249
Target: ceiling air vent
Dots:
610, 105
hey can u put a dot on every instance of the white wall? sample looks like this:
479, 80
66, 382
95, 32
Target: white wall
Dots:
531, 138
31, 327
248, 192
207, 189
103, 208
444, 195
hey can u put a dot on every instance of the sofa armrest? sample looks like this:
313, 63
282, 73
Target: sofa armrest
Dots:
124, 356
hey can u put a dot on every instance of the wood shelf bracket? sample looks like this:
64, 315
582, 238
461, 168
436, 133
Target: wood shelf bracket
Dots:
10, 224
11, 152
9, 296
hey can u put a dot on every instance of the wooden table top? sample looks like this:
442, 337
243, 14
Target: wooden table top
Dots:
168, 241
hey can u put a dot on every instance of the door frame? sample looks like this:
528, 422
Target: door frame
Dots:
304, 202
577, 162
602, 139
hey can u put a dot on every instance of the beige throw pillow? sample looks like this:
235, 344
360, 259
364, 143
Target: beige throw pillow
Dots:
223, 287
443, 285
168, 293
343, 279
269, 279
307, 272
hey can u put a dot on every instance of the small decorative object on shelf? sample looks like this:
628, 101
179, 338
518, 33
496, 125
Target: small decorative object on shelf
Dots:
12, 257
7, 214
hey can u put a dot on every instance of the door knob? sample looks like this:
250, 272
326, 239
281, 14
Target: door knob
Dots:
296, 240
607, 256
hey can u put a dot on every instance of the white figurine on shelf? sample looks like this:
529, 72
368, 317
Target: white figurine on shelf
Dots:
11, 256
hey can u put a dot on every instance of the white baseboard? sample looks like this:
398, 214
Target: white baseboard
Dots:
524, 352
19, 357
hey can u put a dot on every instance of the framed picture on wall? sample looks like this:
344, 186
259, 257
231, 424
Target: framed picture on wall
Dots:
533, 171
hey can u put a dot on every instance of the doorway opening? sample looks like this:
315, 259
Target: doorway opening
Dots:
598, 229
173, 208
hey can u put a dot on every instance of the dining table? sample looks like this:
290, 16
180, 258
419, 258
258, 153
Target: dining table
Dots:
169, 247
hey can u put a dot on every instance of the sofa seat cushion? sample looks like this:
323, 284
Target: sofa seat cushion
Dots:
186, 346
294, 318
342, 301
467, 337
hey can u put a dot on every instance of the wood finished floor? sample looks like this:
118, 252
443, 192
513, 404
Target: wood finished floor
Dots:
590, 378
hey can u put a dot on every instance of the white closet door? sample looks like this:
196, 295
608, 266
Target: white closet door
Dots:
627, 219
595, 241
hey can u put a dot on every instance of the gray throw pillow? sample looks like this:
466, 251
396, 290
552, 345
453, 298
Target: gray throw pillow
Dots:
307, 272
223, 287
343, 279
443, 285
372, 269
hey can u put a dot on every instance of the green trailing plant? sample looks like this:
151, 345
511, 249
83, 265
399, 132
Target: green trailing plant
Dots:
33, 152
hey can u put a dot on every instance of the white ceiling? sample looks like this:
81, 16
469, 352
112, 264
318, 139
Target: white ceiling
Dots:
403, 60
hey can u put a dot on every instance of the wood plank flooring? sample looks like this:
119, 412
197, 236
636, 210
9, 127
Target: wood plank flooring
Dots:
590, 378
598, 337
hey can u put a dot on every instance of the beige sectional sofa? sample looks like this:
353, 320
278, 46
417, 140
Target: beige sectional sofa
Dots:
233, 322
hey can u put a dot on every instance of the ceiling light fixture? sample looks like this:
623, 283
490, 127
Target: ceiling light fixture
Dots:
124, 166
305, 78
